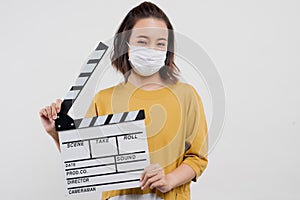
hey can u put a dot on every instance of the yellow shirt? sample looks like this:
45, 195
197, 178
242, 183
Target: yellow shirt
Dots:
175, 125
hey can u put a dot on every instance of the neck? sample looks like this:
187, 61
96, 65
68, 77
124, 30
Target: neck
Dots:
146, 82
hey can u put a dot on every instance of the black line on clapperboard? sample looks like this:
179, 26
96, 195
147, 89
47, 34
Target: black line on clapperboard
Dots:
93, 61
117, 142
104, 156
116, 164
111, 173
94, 119
90, 148
124, 117
139, 132
132, 180
107, 164
87, 74
76, 88
108, 119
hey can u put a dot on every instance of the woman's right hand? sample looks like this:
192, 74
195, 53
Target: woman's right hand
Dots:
48, 114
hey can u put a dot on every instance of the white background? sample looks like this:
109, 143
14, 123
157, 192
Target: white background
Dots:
254, 44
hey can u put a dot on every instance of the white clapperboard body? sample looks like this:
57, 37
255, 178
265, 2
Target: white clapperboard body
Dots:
101, 153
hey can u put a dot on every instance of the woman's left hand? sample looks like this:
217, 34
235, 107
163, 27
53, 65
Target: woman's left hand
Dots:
154, 177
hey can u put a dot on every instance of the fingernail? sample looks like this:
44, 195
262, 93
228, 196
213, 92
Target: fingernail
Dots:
54, 117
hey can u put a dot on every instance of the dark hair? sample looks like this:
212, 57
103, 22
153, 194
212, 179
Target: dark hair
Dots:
119, 56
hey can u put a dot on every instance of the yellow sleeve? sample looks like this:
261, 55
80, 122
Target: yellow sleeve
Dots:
196, 136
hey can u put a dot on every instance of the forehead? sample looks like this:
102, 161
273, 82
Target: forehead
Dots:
153, 28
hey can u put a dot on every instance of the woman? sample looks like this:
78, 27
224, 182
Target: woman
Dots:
175, 120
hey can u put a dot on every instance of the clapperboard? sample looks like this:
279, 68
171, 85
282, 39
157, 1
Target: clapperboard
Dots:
104, 152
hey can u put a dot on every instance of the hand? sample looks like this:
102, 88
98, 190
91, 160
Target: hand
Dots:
154, 177
48, 114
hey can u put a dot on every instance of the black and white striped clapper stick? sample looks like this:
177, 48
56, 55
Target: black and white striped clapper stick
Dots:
65, 122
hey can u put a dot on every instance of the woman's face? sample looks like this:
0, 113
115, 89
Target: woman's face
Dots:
150, 33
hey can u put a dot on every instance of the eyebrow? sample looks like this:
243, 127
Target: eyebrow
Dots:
146, 37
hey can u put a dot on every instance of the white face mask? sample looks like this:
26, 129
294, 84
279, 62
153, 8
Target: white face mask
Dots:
145, 61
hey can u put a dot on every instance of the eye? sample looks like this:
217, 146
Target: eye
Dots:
161, 44
141, 42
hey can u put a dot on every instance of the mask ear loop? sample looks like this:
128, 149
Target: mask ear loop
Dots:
128, 72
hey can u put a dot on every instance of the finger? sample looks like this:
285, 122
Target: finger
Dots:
49, 112
148, 169
152, 180
53, 110
58, 105
146, 177
43, 113
151, 174
157, 184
